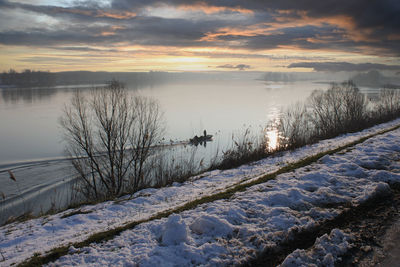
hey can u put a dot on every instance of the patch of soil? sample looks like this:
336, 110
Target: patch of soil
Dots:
373, 231
368, 223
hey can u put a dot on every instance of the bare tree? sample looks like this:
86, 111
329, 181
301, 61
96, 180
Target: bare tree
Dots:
388, 106
109, 138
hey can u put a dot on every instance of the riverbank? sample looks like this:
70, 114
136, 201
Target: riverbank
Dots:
19, 240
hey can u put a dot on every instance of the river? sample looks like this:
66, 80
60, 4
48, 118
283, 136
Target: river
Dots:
31, 140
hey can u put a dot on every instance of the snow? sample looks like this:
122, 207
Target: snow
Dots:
174, 231
326, 250
223, 232
210, 225
231, 231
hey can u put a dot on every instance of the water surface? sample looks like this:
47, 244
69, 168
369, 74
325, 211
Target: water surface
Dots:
31, 141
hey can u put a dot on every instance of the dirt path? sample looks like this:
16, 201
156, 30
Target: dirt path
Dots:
377, 234
375, 226
391, 245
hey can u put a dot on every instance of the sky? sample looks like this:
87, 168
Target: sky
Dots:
208, 35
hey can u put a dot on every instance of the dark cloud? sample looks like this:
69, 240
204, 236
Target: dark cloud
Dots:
257, 55
377, 20
302, 37
87, 23
63, 60
238, 66
40, 37
84, 49
379, 14
139, 30
343, 66
367, 14
142, 30
82, 12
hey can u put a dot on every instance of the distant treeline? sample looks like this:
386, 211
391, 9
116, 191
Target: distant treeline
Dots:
28, 78
133, 79
31, 78
375, 78
371, 78
294, 76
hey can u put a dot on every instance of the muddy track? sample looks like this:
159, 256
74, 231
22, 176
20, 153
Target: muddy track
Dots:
369, 229
367, 222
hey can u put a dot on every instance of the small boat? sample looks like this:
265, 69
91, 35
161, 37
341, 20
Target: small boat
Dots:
199, 139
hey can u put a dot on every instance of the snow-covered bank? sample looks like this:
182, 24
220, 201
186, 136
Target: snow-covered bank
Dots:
224, 231
230, 231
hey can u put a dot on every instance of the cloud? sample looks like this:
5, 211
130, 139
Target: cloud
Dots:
238, 66
306, 37
151, 31
84, 49
330, 25
257, 55
363, 24
366, 14
82, 11
343, 66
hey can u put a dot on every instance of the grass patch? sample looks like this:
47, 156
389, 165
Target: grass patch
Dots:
22, 218
38, 260
75, 213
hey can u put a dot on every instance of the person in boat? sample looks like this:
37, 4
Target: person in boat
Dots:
199, 139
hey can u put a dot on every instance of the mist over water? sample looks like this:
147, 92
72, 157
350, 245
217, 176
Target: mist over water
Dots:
30, 129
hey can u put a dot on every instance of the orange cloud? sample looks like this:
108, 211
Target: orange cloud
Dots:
342, 21
394, 37
208, 9
123, 15
242, 31
106, 34
111, 30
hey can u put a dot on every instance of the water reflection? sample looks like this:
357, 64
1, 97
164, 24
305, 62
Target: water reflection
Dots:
27, 95
272, 138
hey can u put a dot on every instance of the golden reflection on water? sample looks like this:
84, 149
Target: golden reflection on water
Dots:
272, 139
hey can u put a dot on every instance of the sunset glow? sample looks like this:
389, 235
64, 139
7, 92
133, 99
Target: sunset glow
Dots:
120, 35
272, 137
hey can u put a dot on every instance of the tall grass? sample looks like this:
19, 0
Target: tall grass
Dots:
168, 168
341, 109
245, 148
27, 211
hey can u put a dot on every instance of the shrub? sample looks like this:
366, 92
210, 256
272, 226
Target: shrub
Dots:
388, 106
341, 108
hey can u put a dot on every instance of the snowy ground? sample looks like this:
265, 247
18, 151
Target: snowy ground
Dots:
230, 231
324, 252
224, 231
